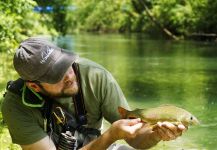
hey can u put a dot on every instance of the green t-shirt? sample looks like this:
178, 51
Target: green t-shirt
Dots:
102, 96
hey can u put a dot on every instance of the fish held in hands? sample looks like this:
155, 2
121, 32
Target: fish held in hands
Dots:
162, 113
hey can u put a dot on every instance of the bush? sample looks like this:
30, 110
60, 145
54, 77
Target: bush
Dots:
18, 21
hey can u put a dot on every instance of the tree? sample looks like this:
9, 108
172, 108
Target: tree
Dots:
18, 21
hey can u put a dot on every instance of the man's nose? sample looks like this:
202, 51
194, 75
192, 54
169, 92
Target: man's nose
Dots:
69, 75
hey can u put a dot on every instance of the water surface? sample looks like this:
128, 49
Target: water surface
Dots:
152, 72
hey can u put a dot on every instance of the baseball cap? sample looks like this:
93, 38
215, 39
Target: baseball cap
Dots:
38, 59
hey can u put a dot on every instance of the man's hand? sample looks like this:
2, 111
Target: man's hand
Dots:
149, 135
168, 131
125, 128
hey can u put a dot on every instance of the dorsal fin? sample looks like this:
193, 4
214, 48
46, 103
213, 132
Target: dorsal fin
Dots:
123, 112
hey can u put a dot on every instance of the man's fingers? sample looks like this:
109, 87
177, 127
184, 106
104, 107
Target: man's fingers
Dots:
132, 122
161, 133
137, 126
132, 130
169, 131
178, 125
166, 134
168, 125
182, 127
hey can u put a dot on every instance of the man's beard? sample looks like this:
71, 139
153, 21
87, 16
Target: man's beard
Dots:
62, 94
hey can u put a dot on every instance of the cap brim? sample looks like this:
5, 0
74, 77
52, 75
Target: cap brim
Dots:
59, 68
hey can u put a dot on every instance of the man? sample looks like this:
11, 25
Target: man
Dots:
61, 96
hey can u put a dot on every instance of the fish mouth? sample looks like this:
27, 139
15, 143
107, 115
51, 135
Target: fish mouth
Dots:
196, 122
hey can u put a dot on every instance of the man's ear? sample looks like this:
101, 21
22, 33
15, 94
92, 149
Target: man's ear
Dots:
33, 86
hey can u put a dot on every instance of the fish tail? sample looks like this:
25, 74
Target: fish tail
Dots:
123, 112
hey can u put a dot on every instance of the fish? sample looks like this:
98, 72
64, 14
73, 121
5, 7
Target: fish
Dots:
161, 113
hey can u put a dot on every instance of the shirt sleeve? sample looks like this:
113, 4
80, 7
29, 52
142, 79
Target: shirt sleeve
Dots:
23, 126
112, 98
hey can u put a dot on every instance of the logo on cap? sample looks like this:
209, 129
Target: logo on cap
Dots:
46, 53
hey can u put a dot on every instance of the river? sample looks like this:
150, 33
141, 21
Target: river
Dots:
152, 72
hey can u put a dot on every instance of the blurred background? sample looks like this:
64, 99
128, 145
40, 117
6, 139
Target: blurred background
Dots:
159, 51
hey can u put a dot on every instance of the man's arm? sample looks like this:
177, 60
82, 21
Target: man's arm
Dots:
44, 144
124, 128
121, 129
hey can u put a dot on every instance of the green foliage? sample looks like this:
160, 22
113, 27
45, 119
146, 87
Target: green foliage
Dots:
58, 14
208, 19
101, 15
18, 21
178, 16
181, 17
